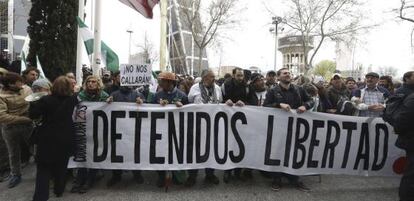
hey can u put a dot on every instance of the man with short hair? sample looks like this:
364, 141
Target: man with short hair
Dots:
350, 85
408, 84
270, 79
16, 125
30, 75
370, 99
235, 92
337, 93
288, 96
205, 92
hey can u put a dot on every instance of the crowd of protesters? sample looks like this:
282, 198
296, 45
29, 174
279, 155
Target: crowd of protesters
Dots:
47, 122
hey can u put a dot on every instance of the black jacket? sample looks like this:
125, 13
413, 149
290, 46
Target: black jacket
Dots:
404, 124
235, 91
405, 89
295, 96
55, 139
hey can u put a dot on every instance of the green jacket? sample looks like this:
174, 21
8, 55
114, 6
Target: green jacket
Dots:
84, 96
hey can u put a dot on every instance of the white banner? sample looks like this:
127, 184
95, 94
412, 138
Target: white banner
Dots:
151, 137
135, 74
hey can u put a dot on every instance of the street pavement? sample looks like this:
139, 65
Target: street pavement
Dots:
331, 188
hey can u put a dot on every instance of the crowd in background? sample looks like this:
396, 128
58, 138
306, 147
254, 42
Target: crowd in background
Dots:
47, 123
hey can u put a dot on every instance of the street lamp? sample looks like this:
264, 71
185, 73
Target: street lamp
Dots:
276, 20
129, 49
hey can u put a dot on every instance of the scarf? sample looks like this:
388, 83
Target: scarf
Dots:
208, 95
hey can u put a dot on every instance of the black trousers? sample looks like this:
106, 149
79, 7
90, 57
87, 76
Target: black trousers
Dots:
406, 190
45, 172
85, 176
118, 173
194, 173
277, 177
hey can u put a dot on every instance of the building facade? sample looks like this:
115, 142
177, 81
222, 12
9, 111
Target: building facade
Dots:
183, 52
13, 26
294, 53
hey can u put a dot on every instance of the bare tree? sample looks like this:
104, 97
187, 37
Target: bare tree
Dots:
148, 50
405, 13
207, 21
320, 20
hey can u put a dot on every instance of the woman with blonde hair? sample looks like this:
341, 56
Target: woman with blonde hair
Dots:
54, 138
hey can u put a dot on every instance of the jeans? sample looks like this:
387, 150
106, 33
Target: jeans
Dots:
13, 135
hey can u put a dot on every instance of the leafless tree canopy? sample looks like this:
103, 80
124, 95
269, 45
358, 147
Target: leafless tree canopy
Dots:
406, 10
148, 49
207, 21
337, 20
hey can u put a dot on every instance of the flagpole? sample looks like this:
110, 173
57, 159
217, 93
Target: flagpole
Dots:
163, 35
10, 29
96, 62
79, 44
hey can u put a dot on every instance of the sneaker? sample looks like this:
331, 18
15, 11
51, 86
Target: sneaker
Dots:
212, 179
190, 182
276, 185
114, 180
300, 186
14, 181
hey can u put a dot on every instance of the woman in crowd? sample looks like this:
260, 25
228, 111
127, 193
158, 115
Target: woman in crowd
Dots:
54, 138
92, 92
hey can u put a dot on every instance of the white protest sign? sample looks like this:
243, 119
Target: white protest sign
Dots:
135, 74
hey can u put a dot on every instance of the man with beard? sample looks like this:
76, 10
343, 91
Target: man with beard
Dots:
115, 84
92, 92
235, 92
169, 94
288, 96
337, 93
370, 99
16, 125
125, 94
270, 79
205, 92
350, 85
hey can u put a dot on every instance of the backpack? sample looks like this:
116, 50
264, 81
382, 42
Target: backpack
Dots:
395, 105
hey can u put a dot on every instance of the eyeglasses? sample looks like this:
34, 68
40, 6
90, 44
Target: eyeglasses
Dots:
91, 81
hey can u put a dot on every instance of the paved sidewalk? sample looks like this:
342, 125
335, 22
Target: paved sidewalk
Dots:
332, 188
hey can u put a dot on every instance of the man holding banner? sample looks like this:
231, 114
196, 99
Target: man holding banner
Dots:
205, 92
287, 96
169, 94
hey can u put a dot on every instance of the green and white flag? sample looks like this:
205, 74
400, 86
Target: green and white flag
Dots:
109, 57
24, 53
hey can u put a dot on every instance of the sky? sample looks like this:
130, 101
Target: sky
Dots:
251, 43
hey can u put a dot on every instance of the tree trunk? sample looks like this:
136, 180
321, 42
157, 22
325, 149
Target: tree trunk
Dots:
200, 61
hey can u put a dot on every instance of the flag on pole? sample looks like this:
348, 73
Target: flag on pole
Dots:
24, 53
39, 67
142, 6
109, 57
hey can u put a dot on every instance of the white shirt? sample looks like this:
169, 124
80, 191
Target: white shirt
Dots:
194, 96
